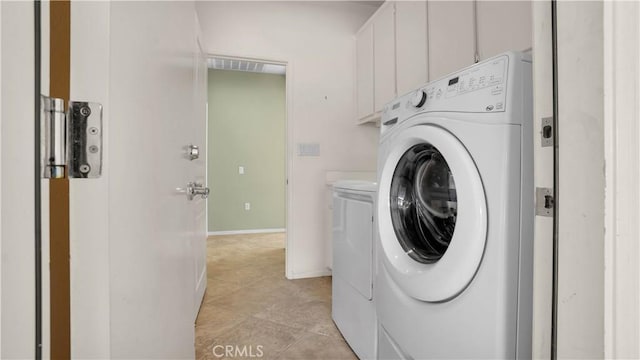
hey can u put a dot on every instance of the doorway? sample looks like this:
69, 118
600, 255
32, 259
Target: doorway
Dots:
247, 147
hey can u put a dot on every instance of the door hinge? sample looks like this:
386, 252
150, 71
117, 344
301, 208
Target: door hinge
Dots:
71, 140
545, 203
546, 132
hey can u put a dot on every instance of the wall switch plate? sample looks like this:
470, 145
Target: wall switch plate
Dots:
241, 170
308, 149
247, 206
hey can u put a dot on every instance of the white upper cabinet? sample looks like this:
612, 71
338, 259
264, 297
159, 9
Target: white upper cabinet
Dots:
384, 57
406, 44
451, 36
411, 45
364, 71
502, 26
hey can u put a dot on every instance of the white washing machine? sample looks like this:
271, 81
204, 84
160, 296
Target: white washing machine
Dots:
354, 233
455, 215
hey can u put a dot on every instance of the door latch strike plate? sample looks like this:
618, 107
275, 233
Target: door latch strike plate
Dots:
545, 203
546, 132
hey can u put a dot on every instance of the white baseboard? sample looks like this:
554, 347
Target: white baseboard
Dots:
251, 231
309, 274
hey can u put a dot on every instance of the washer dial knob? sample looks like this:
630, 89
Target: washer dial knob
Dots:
419, 98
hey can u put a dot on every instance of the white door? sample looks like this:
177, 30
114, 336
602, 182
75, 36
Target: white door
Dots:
450, 47
353, 238
411, 45
364, 75
142, 62
133, 247
384, 58
199, 172
135, 238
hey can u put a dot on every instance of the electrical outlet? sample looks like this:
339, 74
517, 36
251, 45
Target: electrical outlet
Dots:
247, 206
241, 170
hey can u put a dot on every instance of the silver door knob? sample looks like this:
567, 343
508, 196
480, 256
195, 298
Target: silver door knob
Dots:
200, 190
195, 189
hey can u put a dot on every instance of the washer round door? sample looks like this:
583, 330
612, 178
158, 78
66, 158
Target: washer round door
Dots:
432, 214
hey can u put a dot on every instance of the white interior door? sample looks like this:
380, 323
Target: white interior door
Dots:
199, 172
139, 60
151, 105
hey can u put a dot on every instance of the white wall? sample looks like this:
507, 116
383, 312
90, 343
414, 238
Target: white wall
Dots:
317, 41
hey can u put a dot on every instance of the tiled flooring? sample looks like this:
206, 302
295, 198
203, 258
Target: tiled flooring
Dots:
250, 304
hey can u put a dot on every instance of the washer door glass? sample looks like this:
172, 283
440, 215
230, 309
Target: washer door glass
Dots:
432, 212
423, 203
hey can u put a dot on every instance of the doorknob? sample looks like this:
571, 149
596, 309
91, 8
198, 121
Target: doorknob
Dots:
195, 189
193, 151
199, 189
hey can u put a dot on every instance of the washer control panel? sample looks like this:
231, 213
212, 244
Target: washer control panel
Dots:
490, 75
491, 91
478, 88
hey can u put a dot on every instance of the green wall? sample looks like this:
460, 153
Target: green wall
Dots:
247, 114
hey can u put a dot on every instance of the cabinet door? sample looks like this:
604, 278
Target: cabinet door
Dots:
451, 38
411, 45
502, 26
384, 57
364, 71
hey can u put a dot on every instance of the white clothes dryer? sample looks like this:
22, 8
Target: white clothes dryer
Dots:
455, 216
354, 233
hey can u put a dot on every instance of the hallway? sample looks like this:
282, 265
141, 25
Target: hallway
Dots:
249, 303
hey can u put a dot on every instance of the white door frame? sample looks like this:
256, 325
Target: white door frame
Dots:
288, 124
622, 172
543, 177
0, 178
580, 231
17, 220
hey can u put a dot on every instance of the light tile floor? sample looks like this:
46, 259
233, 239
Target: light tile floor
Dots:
250, 303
